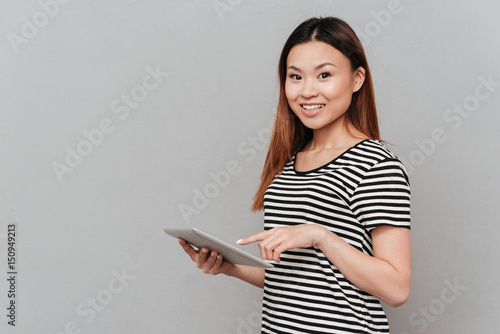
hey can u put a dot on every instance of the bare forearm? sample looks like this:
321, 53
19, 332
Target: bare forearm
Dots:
252, 275
369, 273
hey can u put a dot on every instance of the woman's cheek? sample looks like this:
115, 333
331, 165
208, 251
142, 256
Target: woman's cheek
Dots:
332, 91
291, 92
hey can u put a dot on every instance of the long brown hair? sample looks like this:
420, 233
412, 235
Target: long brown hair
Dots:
289, 135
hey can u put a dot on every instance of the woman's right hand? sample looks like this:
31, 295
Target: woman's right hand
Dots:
210, 261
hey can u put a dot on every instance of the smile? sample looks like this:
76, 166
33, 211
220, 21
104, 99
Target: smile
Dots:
311, 107
312, 110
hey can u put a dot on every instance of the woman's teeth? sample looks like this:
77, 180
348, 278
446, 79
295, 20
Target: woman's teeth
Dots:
312, 106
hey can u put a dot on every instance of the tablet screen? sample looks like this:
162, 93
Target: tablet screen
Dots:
230, 253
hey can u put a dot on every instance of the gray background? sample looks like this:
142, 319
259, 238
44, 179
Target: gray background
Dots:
215, 106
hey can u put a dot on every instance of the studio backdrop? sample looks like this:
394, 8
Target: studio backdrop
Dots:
121, 118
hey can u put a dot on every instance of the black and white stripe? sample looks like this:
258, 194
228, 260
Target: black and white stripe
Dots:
365, 187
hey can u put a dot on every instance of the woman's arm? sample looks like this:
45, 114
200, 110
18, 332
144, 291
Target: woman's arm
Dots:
386, 275
213, 263
252, 275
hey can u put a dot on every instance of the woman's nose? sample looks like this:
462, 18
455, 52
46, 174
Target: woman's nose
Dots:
309, 89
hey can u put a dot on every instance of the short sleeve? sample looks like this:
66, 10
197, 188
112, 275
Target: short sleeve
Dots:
383, 196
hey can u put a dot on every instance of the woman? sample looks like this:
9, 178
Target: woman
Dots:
336, 200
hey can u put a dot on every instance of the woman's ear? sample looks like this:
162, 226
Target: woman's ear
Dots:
359, 78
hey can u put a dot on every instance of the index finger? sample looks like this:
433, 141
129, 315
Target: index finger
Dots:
253, 238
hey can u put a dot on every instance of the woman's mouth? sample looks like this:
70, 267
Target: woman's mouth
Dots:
311, 110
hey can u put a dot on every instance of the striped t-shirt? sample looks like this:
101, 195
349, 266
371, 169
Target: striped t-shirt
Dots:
365, 187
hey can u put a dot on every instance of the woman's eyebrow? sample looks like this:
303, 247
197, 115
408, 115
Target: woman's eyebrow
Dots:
291, 67
323, 65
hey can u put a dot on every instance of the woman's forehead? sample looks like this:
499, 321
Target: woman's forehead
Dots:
312, 54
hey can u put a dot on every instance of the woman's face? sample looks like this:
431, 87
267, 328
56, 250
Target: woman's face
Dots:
320, 83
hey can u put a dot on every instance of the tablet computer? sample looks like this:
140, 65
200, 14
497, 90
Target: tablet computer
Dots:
230, 253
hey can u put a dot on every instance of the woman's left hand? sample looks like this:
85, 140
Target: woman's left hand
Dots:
279, 239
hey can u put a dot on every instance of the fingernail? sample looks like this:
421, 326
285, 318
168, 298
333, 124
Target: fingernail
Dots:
204, 250
239, 241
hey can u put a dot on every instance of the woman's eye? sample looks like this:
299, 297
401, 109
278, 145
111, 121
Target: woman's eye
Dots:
295, 76
324, 75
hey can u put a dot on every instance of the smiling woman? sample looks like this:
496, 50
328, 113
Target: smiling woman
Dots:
336, 201
325, 88
319, 88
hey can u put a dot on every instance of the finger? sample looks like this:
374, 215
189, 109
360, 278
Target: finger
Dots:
266, 251
202, 257
193, 254
270, 244
210, 262
269, 252
277, 252
219, 261
263, 253
216, 268
253, 238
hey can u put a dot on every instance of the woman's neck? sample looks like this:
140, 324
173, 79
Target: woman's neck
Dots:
338, 135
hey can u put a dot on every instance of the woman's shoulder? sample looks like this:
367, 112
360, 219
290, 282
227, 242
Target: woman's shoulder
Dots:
374, 150
380, 158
